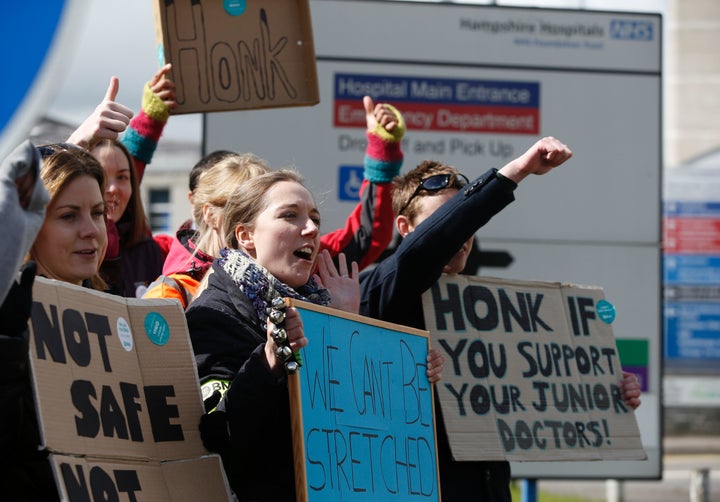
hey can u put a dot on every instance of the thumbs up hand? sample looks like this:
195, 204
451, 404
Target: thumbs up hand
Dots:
108, 120
383, 119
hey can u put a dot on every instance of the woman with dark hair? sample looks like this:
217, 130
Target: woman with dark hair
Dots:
124, 147
139, 259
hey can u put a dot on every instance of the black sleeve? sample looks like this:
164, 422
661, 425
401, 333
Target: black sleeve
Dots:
419, 259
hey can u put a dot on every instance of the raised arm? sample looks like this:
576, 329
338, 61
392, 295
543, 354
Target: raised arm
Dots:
107, 121
144, 131
369, 227
22, 205
541, 158
421, 256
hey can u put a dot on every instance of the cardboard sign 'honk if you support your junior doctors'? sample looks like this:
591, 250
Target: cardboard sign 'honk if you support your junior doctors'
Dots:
531, 371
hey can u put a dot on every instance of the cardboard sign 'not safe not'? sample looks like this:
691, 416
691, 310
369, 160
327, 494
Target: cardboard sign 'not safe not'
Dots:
117, 397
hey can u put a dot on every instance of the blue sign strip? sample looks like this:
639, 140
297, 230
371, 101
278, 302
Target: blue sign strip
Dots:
691, 269
438, 90
692, 208
27, 30
691, 330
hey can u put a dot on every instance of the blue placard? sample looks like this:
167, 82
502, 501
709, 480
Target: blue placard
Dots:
367, 411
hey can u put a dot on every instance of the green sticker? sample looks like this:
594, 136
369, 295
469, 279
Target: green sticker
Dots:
605, 311
157, 329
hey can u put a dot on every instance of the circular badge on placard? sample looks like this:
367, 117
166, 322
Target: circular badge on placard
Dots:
157, 329
235, 7
124, 334
605, 311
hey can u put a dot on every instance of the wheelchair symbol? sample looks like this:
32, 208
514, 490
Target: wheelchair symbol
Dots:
349, 182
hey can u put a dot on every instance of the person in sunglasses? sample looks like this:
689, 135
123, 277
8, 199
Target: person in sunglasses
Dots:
437, 213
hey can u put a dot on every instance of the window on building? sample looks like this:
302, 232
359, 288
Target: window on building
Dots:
160, 210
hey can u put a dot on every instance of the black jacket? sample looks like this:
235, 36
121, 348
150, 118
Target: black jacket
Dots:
229, 342
25, 473
392, 291
135, 268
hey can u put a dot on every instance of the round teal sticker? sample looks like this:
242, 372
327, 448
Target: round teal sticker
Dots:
161, 55
235, 7
157, 329
605, 311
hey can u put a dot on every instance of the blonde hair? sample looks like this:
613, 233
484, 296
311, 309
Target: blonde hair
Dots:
214, 187
249, 199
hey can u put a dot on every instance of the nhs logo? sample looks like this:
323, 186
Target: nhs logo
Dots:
350, 179
626, 29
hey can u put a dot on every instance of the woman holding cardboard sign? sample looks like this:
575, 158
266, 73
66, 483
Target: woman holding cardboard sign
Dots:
69, 247
272, 228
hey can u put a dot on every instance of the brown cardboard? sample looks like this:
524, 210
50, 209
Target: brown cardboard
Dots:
174, 481
115, 381
499, 399
238, 55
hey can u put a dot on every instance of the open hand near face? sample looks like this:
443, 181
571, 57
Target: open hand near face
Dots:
343, 286
435, 365
296, 337
108, 120
630, 388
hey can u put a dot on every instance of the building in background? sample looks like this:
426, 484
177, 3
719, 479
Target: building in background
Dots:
692, 80
691, 129
692, 218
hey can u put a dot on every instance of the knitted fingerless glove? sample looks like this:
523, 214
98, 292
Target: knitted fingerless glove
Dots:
143, 133
383, 156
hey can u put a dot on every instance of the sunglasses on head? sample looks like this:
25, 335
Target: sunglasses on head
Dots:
435, 183
47, 150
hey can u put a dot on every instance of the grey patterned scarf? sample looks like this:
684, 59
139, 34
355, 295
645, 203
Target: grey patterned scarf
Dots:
261, 287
